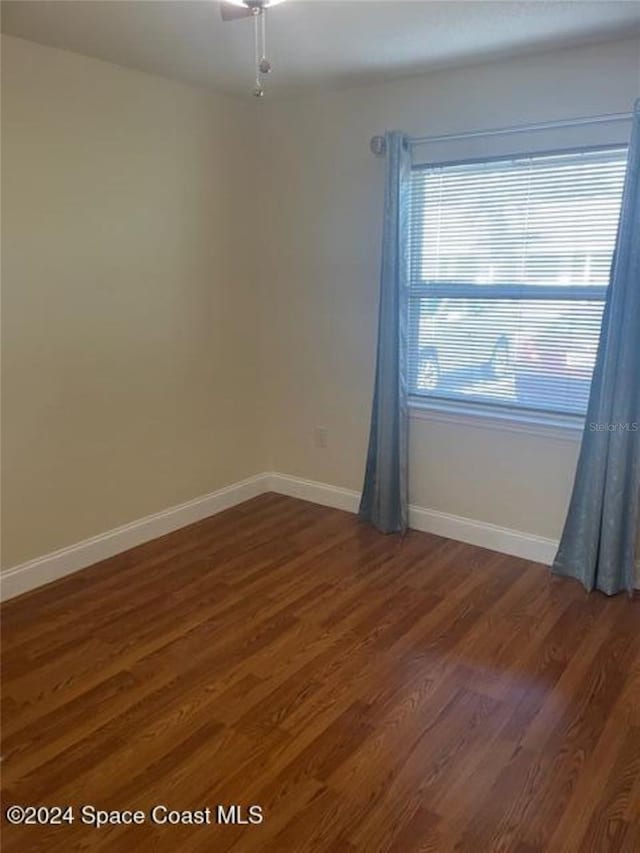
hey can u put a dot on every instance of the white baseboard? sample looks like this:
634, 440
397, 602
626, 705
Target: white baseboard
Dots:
310, 490
50, 567
57, 564
481, 533
485, 535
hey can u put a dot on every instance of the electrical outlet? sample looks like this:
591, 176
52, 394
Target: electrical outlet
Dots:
321, 437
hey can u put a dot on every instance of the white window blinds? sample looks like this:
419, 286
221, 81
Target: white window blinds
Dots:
509, 265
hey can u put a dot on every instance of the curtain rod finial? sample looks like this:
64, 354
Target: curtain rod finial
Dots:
378, 145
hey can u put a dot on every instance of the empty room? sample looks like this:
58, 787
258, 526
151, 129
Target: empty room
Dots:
320, 426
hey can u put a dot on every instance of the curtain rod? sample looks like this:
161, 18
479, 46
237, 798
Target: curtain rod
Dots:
378, 143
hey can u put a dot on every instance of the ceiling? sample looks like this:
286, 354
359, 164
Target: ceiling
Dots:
313, 43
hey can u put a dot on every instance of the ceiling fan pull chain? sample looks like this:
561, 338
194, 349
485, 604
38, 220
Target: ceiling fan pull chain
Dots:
258, 90
265, 65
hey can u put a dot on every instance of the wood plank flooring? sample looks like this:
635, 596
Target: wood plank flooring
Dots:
368, 693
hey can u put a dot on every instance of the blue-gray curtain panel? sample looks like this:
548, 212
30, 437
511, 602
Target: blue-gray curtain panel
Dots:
598, 544
385, 500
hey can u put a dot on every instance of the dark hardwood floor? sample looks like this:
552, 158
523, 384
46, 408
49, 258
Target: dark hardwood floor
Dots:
369, 693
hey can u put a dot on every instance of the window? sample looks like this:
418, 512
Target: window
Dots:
509, 266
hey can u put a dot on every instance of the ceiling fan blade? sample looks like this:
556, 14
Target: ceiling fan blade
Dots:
231, 12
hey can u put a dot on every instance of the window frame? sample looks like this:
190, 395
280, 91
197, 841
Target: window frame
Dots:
500, 415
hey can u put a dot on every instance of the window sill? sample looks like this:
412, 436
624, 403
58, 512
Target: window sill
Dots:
567, 428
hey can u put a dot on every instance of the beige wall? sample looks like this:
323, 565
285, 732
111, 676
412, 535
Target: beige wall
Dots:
128, 315
151, 354
321, 252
